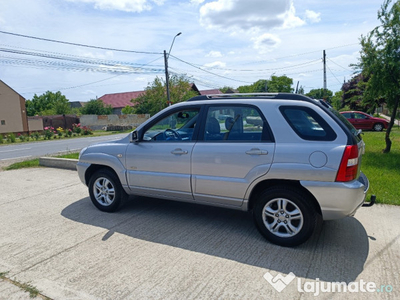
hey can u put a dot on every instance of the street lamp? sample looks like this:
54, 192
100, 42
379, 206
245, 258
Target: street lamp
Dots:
166, 67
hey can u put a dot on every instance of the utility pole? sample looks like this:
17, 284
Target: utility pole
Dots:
167, 77
166, 56
324, 61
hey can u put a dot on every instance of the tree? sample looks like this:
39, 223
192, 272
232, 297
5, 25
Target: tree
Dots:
48, 103
320, 94
277, 84
226, 89
259, 86
127, 110
380, 61
280, 84
337, 100
155, 99
96, 107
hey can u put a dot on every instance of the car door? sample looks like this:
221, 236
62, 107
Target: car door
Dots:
362, 121
159, 164
235, 147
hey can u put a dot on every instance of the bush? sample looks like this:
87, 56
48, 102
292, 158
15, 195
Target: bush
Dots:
60, 131
76, 128
21, 137
35, 135
86, 130
48, 132
1, 139
11, 138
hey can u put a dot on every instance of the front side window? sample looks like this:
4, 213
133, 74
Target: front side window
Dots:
234, 123
178, 126
360, 116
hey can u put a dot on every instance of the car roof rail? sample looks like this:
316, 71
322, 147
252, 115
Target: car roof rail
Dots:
288, 96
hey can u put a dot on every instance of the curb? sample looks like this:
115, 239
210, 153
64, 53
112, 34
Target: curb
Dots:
61, 163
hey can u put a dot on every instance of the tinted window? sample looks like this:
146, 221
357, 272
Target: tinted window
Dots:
307, 123
235, 123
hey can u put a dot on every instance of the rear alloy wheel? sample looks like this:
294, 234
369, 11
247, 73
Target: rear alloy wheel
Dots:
106, 191
378, 127
284, 217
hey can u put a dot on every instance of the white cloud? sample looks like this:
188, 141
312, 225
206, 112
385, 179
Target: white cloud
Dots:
214, 54
218, 64
313, 16
291, 21
249, 15
197, 2
266, 42
122, 5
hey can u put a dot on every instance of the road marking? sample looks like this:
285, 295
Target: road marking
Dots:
15, 150
16, 157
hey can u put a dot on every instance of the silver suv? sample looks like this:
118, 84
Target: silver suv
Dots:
287, 158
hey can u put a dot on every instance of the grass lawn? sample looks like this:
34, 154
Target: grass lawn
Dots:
382, 170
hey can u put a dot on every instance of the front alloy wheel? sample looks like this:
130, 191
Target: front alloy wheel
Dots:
105, 190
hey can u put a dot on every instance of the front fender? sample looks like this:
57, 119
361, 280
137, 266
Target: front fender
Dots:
102, 159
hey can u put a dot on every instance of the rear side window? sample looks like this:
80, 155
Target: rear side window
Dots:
307, 124
236, 123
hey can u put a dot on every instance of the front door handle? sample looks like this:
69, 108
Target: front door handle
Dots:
179, 151
256, 151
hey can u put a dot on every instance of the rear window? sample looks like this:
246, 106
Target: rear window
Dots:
307, 124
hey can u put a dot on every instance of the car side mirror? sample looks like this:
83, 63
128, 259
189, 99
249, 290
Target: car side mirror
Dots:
135, 138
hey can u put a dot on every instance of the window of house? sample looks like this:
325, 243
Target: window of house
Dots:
3, 122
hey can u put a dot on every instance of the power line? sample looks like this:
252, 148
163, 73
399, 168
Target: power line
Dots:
73, 58
339, 65
215, 74
76, 44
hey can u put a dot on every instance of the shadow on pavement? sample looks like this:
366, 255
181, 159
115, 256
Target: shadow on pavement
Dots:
335, 253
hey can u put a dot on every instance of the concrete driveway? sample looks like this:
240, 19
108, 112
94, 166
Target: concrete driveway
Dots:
55, 239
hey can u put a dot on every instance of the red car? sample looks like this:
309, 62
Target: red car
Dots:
361, 120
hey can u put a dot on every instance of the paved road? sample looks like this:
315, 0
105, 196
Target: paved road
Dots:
54, 238
36, 149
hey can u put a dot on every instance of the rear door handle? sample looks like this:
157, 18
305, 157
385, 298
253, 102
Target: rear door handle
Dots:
179, 151
256, 151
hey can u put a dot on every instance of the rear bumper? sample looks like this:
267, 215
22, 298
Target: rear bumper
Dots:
339, 199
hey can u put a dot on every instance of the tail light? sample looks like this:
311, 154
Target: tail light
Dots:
349, 164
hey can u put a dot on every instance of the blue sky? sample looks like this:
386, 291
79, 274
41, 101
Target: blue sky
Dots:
223, 43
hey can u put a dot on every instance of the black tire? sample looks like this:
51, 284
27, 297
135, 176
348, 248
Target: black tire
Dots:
378, 127
284, 217
106, 191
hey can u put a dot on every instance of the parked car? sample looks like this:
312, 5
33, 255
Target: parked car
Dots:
361, 120
300, 164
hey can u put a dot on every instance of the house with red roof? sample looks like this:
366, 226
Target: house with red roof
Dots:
119, 100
